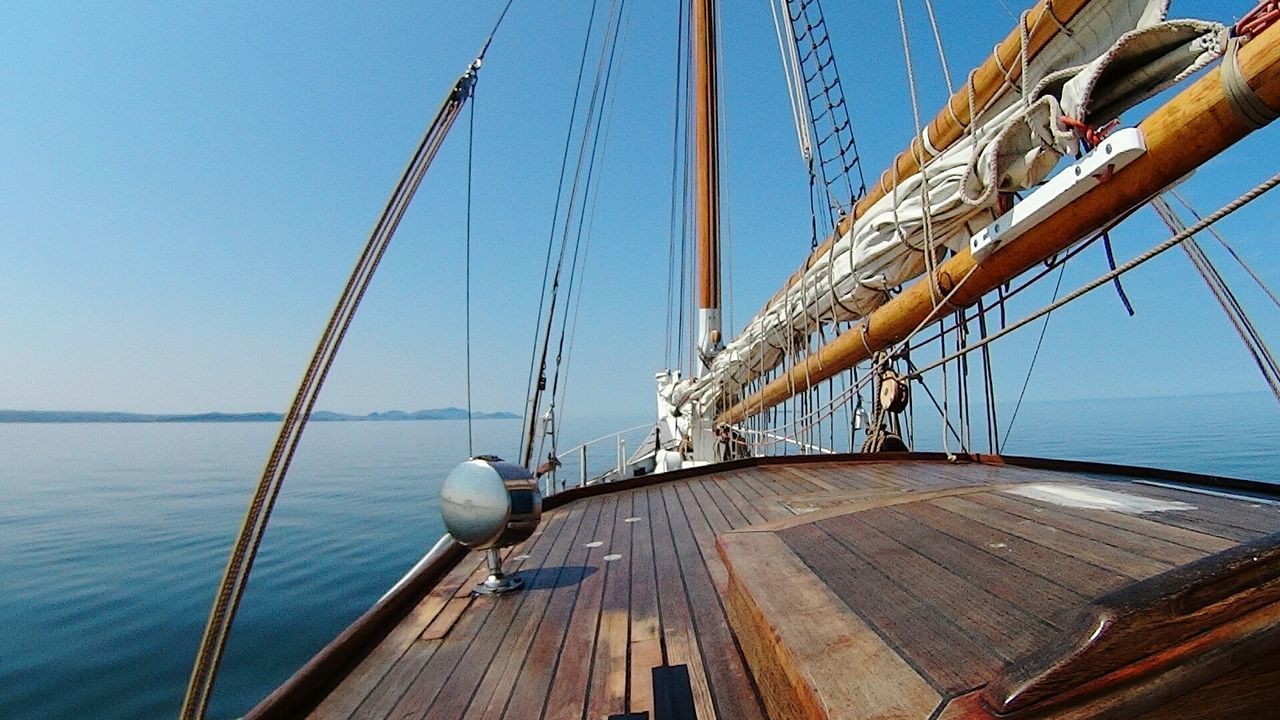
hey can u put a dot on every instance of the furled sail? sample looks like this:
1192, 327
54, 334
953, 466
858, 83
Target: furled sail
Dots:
1111, 56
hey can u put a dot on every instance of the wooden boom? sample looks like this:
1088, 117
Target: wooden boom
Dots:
1181, 136
990, 79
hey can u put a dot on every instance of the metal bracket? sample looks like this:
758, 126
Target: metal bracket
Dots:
1115, 152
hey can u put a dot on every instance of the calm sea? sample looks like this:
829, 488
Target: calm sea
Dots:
112, 537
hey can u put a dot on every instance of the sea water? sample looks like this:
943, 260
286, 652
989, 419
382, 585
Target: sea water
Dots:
113, 536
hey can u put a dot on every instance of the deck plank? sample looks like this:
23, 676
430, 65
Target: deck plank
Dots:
607, 692
1003, 579
679, 637
704, 574
1006, 629
645, 650
1129, 564
529, 695
357, 686
460, 688
491, 695
955, 660
1048, 513
569, 684
1067, 572
934, 559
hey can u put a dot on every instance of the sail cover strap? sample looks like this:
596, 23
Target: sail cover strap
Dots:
1244, 102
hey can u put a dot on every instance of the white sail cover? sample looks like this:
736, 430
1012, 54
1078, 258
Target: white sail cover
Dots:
1115, 54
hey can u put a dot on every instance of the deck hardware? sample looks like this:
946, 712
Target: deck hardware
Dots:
1121, 148
488, 504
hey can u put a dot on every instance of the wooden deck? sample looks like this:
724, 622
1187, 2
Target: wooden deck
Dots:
867, 584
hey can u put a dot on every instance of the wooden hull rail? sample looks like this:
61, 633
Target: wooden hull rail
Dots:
1134, 649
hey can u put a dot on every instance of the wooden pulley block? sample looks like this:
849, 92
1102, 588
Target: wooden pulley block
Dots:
894, 392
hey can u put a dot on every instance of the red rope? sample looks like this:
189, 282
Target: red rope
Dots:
1258, 19
1092, 135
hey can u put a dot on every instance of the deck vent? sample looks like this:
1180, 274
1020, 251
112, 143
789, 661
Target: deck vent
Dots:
489, 504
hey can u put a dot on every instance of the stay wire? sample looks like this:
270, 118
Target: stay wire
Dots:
471, 137
587, 192
1032, 365
673, 304
1248, 197
546, 268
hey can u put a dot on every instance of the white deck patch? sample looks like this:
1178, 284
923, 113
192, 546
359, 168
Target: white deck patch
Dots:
1091, 498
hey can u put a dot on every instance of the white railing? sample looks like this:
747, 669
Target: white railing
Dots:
579, 465
774, 438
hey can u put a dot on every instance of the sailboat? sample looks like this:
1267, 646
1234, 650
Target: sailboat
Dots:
739, 564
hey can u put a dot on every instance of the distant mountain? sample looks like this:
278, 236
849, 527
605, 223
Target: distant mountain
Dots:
72, 416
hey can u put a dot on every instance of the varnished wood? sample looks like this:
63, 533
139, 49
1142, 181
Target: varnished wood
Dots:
1153, 625
989, 80
804, 644
1181, 135
942, 571
706, 150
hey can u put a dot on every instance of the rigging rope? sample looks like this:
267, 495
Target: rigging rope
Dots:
471, 141
1244, 327
236, 575
674, 309
1034, 356
530, 410
1222, 241
534, 403
1248, 197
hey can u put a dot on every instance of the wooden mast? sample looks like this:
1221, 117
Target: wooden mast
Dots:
706, 131
1181, 136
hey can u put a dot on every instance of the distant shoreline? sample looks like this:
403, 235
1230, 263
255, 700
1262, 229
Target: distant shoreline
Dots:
74, 416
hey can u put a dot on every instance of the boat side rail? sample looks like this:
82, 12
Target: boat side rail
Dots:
765, 438
579, 465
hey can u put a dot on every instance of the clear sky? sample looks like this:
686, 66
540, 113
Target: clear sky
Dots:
183, 190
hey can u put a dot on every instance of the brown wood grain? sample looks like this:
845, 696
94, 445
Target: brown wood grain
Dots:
500, 637
529, 692
1005, 629
949, 655
494, 689
811, 656
357, 685
1092, 551
570, 682
704, 573
679, 636
607, 692
1143, 628
1003, 579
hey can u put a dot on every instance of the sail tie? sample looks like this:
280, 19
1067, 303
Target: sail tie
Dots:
1243, 101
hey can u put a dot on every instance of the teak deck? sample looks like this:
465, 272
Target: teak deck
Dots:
815, 589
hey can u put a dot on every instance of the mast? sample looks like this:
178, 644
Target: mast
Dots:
706, 131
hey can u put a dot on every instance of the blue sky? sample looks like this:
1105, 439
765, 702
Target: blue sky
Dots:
184, 190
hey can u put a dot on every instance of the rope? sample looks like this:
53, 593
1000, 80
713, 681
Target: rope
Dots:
471, 137
1222, 241
1032, 365
674, 305
1244, 102
1221, 213
234, 579
942, 56
1244, 327
536, 393
530, 408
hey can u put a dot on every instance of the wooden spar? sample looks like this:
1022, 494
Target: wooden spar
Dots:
989, 80
707, 171
1181, 136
